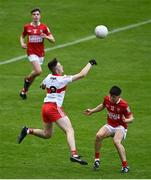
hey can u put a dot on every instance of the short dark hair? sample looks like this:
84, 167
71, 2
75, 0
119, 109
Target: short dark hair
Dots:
115, 91
52, 64
35, 9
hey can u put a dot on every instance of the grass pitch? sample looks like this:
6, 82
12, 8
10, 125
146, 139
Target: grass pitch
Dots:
123, 59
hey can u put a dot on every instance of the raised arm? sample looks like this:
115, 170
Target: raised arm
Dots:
84, 71
98, 108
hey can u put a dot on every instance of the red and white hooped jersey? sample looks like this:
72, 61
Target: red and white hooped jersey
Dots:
116, 112
56, 86
35, 43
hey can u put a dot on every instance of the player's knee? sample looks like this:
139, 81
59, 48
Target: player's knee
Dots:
116, 142
38, 72
47, 135
70, 131
99, 136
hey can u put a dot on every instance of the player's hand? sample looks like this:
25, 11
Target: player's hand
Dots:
43, 86
43, 35
127, 120
24, 45
93, 62
87, 112
123, 119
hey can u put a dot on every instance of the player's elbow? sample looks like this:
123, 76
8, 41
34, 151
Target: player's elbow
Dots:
78, 76
82, 75
52, 40
132, 119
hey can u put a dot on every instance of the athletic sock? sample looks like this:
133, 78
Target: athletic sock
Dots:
27, 82
29, 131
97, 155
74, 153
29, 79
124, 164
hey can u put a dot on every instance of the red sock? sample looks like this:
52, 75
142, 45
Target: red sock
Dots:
30, 79
97, 155
124, 163
74, 152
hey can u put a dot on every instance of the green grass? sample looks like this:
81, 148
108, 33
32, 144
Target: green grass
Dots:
123, 59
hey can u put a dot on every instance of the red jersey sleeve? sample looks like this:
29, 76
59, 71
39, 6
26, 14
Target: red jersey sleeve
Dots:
127, 112
24, 33
47, 31
105, 100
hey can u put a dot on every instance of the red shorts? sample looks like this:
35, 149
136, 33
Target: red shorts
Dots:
51, 112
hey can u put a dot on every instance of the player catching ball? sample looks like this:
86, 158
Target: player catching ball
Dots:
52, 111
119, 115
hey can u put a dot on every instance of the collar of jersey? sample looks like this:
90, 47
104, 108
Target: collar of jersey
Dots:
56, 74
34, 25
116, 102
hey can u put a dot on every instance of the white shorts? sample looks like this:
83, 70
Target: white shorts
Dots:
34, 57
114, 129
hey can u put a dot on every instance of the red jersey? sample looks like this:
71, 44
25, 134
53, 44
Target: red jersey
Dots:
35, 43
116, 112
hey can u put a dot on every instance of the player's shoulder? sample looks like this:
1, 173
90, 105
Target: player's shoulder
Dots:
66, 76
63, 77
123, 102
27, 25
43, 25
106, 98
48, 76
55, 76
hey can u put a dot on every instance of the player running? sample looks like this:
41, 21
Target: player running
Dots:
119, 115
52, 111
36, 32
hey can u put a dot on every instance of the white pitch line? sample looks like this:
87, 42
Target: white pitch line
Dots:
131, 26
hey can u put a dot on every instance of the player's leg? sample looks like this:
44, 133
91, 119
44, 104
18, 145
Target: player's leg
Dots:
118, 137
100, 135
45, 133
65, 124
37, 70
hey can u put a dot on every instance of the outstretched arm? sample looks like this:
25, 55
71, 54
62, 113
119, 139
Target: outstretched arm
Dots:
84, 71
100, 107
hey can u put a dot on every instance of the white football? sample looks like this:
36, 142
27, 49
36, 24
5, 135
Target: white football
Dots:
101, 31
